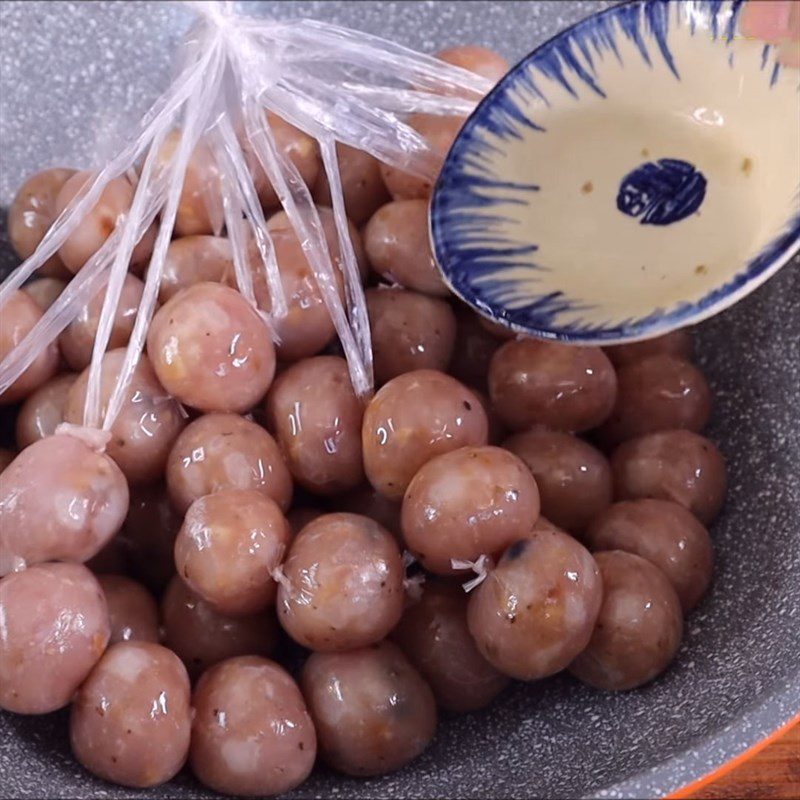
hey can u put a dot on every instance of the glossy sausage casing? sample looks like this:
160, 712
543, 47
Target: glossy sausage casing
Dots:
409, 331
574, 478
566, 388
211, 350
226, 451
55, 628
131, 719
434, 636
77, 339
316, 418
666, 534
132, 610
639, 627
414, 417
373, 711
59, 499
342, 584
656, 393
19, 316
33, 212
396, 240
252, 734
43, 411
672, 465
148, 422
228, 547
471, 502
537, 608
202, 637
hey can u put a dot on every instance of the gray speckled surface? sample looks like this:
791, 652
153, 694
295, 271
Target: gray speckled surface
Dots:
68, 70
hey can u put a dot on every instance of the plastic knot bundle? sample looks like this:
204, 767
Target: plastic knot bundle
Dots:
235, 75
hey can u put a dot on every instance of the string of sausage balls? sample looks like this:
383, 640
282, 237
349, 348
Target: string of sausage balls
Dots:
269, 509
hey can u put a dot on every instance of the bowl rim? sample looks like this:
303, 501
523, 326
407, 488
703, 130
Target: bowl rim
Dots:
776, 254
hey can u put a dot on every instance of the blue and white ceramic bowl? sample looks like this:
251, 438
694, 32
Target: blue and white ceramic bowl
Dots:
637, 173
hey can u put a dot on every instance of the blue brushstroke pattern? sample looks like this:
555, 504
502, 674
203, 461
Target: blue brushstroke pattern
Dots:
629, 19
480, 248
583, 45
657, 16
551, 66
563, 50
662, 192
714, 7
733, 21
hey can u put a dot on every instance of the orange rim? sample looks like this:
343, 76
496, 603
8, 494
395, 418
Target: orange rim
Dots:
729, 766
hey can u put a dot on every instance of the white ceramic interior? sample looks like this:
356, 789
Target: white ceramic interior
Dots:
557, 213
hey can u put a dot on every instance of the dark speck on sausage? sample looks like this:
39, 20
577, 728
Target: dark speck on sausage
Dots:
516, 549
